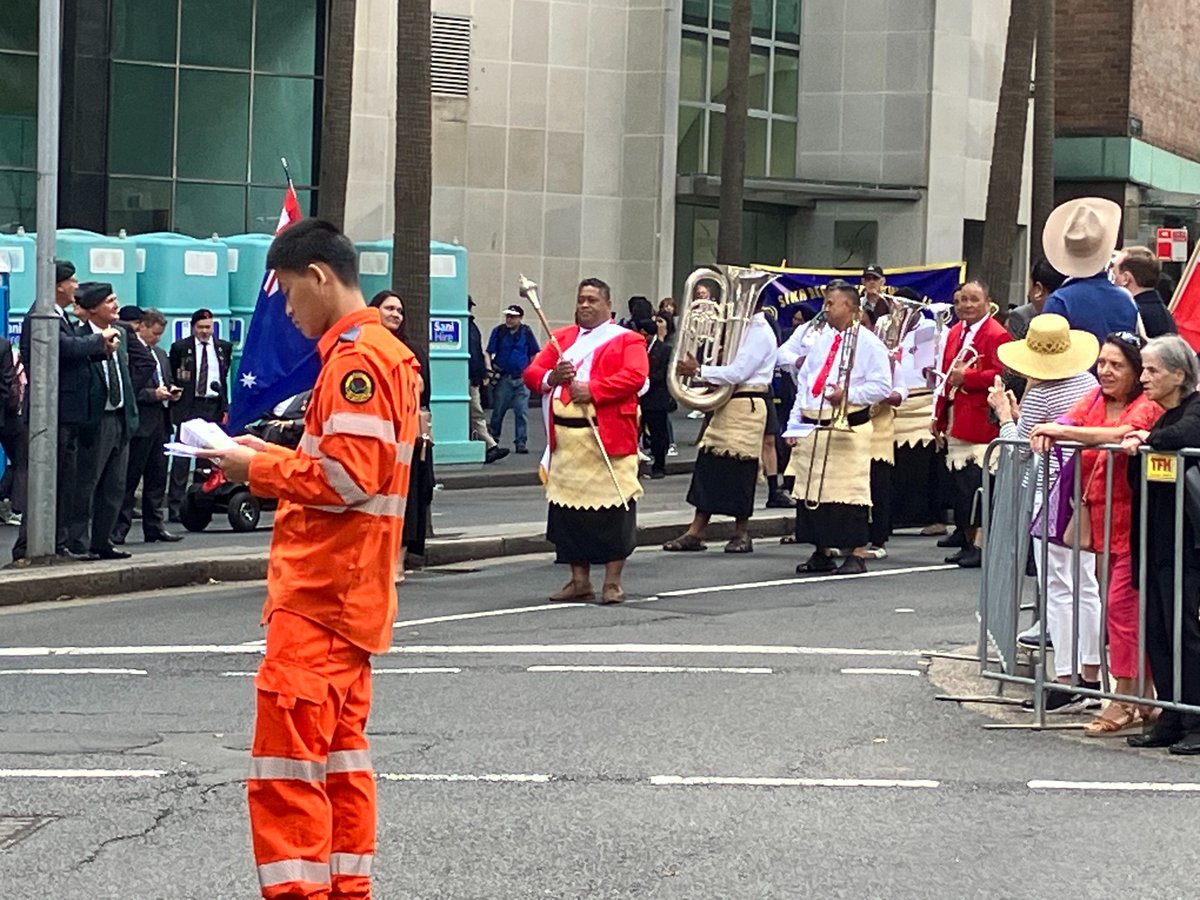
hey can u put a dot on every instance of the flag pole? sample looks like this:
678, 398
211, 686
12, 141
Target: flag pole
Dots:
287, 174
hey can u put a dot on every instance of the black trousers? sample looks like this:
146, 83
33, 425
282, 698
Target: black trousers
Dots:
1160, 635
210, 411
658, 424
967, 481
147, 465
68, 496
881, 502
105, 459
16, 447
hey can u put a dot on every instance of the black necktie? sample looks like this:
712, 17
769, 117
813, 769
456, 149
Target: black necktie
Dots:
114, 382
202, 376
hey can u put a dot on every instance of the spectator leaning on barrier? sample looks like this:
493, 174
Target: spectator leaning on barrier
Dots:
1137, 270
1055, 359
512, 346
1169, 377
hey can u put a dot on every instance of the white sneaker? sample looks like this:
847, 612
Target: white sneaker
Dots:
13, 519
695, 414
1031, 637
672, 450
644, 456
877, 552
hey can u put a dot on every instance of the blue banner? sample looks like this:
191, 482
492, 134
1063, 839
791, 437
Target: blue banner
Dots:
803, 287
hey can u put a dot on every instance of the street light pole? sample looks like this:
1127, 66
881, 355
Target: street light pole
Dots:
43, 323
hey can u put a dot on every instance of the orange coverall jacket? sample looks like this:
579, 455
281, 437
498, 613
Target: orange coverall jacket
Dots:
343, 491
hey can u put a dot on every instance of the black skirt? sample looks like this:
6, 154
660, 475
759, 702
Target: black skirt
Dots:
881, 502
840, 525
420, 498
918, 487
592, 536
723, 486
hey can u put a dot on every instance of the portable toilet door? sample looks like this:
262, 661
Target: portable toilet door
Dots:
374, 266
98, 257
247, 265
449, 356
178, 275
19, 255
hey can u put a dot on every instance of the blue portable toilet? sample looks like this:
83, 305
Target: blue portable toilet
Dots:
98, 257
178, 275
4, 282
18, 254
247, 265
374, 266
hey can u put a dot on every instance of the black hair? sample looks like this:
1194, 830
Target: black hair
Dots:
314, 241
668, 319
1046, 275
640, 308
908, 294
201, 314
987, 290
377, 301
1130, 347
840, 285
602, 287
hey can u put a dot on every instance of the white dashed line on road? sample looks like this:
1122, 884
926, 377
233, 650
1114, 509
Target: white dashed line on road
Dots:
1165, 787
711, 781
654, 670
880, 672
823, 579
411, 670
82, 773
421, 776
487, 614
649, 649
72, 672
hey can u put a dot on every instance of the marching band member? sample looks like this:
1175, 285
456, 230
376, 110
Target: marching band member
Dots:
731, 444
970, 364
592, 518
845, 370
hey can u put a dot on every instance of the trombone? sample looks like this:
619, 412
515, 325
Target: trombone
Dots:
839, 420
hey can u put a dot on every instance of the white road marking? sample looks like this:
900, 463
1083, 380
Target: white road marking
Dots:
487, 614
421, 776
706, 780
411, 670
72, 671
881, 672
650, 649
904, 609
653, 670
1165, 787
140, 650
82, 773
783, 582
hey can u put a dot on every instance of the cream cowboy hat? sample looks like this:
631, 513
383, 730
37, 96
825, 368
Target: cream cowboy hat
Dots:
1051, 350
1081, 235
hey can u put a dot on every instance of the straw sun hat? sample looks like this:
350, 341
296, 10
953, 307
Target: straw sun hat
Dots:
1051, 350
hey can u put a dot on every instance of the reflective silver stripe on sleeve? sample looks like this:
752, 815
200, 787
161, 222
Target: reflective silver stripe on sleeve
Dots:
349, 761
289, 870
278, 767
360, 425
404, 454
343, 482
310, 444
379, 505
350, 863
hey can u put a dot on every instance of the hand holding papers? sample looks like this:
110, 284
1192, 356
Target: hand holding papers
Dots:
196, 435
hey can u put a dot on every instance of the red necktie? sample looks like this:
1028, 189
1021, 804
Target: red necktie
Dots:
823, 375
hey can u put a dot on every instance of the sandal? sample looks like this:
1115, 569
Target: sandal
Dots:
740, 545
685, 543
788, 539
1116, 718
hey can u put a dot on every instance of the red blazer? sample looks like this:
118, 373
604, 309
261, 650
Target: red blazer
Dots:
970, 401
619, 370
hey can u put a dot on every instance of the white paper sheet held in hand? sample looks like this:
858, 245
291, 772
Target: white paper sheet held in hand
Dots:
198, 434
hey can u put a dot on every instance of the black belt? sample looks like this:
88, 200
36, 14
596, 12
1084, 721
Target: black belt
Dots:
571, 423
752, 395
854, 419
118, 411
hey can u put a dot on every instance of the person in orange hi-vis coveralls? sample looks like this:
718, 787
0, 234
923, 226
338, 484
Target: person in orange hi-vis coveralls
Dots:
331, 598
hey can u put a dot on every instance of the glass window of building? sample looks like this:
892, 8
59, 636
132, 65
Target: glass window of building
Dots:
773, 89
18, 114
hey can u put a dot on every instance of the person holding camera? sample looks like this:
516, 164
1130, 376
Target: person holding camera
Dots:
200, 365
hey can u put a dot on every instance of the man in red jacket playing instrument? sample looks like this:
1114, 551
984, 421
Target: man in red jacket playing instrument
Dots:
592, 374
960, 418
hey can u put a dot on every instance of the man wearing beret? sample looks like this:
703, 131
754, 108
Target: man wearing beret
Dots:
105, 448
76, 353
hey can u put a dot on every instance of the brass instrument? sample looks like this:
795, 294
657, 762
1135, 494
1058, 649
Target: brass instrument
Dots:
940, 381
839, 421
711, 329
903, 317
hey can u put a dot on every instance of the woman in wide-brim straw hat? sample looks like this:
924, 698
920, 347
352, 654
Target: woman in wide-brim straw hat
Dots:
1057, 361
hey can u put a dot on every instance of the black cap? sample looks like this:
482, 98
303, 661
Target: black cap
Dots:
130, 314
200, 315
64, 269
872, 270
91, 294
514, 310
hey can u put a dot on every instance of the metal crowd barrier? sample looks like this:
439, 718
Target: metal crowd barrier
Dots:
1009, 507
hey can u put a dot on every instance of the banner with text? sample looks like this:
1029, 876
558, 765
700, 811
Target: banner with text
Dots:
803, 287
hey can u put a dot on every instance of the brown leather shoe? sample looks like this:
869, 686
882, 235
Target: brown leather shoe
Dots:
574, 593
612, 593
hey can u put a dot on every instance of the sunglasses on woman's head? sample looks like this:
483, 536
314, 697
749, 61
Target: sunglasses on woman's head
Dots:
1127, 338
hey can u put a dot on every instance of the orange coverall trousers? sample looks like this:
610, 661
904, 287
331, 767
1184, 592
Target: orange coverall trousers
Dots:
311, 789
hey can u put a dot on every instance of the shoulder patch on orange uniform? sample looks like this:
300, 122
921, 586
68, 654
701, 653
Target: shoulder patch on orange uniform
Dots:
358, 387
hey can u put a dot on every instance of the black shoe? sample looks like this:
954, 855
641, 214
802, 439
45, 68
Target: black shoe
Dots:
955, 557
1188, 746
781, 499
520, 448
1062, 702
657, 474
853, 565
970, 558
173, 518
954, 539
494, 453
110, 553
818, 564
64, 553
1161, 735
118, 540
165, 536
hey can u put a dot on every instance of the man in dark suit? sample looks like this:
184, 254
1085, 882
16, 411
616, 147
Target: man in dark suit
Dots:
76, 353
1137, 269
104, 449
151, 373
656, 402
200, 365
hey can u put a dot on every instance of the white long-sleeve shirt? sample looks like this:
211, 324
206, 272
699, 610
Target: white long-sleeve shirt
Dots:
796, 348
870, 379
754, 362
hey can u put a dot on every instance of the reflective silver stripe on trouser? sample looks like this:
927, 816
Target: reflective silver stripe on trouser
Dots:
349, 761
350, 863
343, 482
288, 870
379, 505
264, 767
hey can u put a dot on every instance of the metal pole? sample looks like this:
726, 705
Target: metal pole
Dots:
43, 322
1177, 584
1143, 543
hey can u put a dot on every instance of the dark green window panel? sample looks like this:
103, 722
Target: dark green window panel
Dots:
283, 127
18, 110
720, 14
760, 76
720, 71
19, 25
262, 214
144, 30
716, 142
693, 68
214, 124
18, 201
141, 129
204, 209
215, 33
286, 37
691, 141
787, 20
756, 147
760, 17
139, 205
695, 12
783, 149
787, 83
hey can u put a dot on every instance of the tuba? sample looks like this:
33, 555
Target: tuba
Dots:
711, 330
903, 317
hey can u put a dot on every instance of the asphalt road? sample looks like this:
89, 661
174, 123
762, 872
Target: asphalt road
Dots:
504, 774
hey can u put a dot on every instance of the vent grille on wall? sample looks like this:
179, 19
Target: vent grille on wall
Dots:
450, 72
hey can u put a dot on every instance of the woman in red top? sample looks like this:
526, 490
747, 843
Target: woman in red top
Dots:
1105, 416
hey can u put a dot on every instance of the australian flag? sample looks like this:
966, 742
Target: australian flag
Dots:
278, 361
